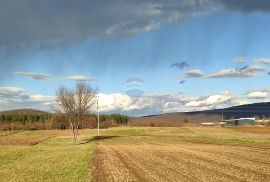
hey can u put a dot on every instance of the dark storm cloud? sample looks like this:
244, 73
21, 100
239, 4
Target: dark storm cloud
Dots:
247, 5
53, 22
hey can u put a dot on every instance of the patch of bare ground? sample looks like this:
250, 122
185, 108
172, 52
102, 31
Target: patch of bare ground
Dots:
180, 161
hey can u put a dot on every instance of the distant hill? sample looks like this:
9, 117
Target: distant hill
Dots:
250, 110
23, 111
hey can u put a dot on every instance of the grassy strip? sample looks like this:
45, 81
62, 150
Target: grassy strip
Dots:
226, 141
198, 139
130, 132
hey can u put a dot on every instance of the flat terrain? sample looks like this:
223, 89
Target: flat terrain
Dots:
137, 154
180, 161
183, 154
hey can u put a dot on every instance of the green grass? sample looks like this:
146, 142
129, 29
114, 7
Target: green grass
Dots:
57, 159
130, 132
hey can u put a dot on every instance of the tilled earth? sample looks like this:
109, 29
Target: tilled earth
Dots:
180, 161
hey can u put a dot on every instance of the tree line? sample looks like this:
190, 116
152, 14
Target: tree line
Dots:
34, 121
72, 108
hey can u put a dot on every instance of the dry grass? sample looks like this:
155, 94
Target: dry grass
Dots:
33, 137
255, 130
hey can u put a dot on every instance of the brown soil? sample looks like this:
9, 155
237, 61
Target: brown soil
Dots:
180, 161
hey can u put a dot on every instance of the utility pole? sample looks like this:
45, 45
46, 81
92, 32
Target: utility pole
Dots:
97, 118
222, 118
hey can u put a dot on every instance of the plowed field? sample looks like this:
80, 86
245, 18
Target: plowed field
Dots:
180, 161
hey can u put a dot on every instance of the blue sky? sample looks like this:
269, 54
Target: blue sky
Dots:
208, 37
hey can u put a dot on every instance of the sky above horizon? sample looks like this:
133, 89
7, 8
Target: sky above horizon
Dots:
188, 55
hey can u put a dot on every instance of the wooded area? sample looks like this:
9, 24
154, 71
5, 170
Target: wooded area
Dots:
43, 120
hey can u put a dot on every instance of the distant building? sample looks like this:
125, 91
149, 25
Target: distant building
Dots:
239, 122
207, 124
263, 122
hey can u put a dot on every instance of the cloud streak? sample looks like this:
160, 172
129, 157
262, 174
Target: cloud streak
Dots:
80, 78
193, 73
34, 75
245, 71
263, 61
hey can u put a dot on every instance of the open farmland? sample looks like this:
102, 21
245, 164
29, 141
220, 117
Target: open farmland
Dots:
182, 154
137, 154
180, 161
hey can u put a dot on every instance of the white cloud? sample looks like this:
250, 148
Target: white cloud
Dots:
246, 71
194, 73
212, 101
163, 103
257, 94
116, 101
42, 98
15, 97
34, 75
80, 78
4, 91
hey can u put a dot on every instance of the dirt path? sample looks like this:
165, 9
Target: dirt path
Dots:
181, 161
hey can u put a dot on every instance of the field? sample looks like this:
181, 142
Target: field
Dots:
137, 154
44, 156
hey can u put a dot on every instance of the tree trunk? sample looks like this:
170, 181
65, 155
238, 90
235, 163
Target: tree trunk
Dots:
73, 131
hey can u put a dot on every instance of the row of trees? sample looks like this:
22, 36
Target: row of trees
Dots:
15, 121
118, 119
24, 118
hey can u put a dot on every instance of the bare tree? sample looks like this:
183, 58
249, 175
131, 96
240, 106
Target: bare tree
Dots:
75, 103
